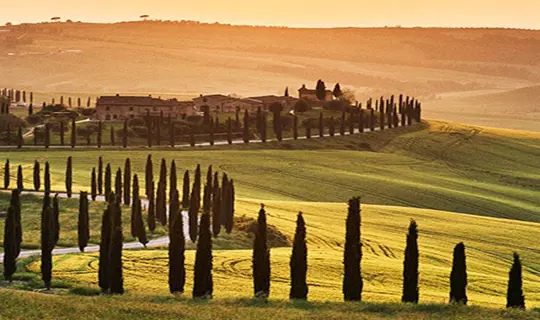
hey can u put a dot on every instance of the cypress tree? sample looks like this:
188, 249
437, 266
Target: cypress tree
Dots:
351, 124
229, 214
161, 203
73, 133
20, 184
113, 142
203, 285
172, 133
238, 125
514, 295
93, 185
116, 279
261, 258
342, 123
15, 203
372, 120
125, 134
10, 246
332, 127
229, 131
458, 276
104, 245
298, 262
37, 177
381, 114
410, 266
108, 182
7, 176
100, 176
321, 125
83, 226
185, 190
211, 132
139, 224
295, 127
118, 183
56, 219
193, 215
264, 128
127, 182
99, 134
216, 208
174, 206
209, 176
47, 139
47, 245
352, 257
62, 133
20, 138
246, 127
148, 175
361, 121
47, 179
134, 208
207, 198
151, 208
173, 180
69, 172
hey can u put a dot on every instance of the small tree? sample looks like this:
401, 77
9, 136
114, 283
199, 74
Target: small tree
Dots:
37, 176
185, 190
173, 180
216, 208
135, 197
73, 133
177, 271
108, 182
410, 266
193, 215
47, 179
69, 175
148, 175
127, 182
246, 127
514, 295
261, 258
83, 226
203, 285
337, 91
56, 219
298, 262
151, 208
320, 90
139, 223
104, 247
20, 138
321, 125
295, 127
47, 138
62, 133
47, 245
161, 201
118, 183
116, 278
10, 246
458, 276
100, 176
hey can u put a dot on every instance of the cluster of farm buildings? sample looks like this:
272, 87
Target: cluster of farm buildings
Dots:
130, 107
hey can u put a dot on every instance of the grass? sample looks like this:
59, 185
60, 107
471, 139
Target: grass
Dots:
460, 183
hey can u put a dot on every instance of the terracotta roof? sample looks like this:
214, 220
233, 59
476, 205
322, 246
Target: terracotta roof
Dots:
135, 101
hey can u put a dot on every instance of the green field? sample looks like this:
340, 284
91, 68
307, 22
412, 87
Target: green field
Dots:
460, 183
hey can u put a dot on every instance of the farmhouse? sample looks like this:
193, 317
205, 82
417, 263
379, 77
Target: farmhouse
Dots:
311, 95
130, 107
286, 102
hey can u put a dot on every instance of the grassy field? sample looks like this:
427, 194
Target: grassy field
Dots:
459, 183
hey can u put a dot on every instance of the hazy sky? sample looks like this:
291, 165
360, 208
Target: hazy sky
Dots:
299, 13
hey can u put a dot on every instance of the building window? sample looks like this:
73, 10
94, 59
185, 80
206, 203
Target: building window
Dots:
130, 108
115, 117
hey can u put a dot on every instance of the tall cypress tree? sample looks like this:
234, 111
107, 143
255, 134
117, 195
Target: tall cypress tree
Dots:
108, 182
56, 219
298, 262
99, 134
321, 125
47, 179
83, 226
193, 215
514, 295
47, 245
100, 176
93, 185
20, 138
246, 127
161, 203
104, 245
261, 258
134, 208
127, 182
211, 131
203, 285
10, 246
20, 183
264, 128
73, 133
229, 215
118, 183
148, 174
116, 278
15, 203
410, 266
458, 276
125, 134
216, 208
173, 180
62, 133
37, 176
7, 176
151, 208
352, 257
69, 175
139, 224
185, 190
